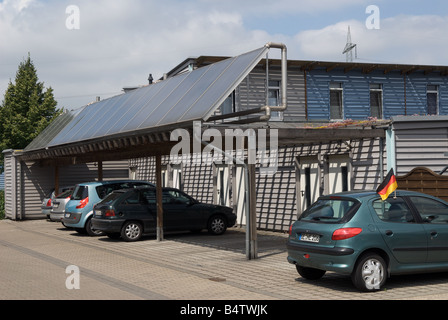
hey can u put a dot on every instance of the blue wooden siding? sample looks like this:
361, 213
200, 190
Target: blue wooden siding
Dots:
393, 95
356, 93
416, 87
318, 95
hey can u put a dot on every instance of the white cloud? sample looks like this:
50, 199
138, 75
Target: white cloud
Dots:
120, 42
326, 43
403, 39
15, 5
260, 7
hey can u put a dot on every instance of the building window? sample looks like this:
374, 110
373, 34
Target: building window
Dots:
164, 176
432, 99
228, 106
344, 176
336, 109
376, 101
177, 177
308, 187
133, 173
274, 99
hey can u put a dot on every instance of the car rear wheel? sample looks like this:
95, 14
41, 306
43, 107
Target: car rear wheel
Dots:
131, 231
217, 225
370, 273
92, 232
310, 273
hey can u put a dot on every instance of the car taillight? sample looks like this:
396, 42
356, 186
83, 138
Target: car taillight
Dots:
49, 203
290, 229
109, 213
83, 203
345, 233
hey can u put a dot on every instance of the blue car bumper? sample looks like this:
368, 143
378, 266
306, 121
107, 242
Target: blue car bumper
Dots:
73, 220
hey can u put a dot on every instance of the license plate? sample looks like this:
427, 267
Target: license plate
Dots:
67, 215
309, 237
55, 204
97, 212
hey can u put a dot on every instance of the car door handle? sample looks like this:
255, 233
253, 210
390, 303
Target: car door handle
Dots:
389, 233
434, 233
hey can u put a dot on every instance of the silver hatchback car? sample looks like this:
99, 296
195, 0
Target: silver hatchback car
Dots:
47, 201
58, 206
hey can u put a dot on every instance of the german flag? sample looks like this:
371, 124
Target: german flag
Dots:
388, 186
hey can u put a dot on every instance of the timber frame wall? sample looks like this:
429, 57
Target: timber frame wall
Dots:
28, 182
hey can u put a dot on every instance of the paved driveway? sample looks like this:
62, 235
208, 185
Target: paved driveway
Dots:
35, 260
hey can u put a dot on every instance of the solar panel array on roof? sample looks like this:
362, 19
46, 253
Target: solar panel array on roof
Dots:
184, 98
50, 132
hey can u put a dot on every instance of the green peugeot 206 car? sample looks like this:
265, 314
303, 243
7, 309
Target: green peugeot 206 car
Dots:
358, 234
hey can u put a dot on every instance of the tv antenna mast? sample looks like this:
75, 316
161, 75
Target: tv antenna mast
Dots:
348, 50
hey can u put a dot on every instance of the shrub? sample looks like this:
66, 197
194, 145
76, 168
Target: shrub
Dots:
2, 204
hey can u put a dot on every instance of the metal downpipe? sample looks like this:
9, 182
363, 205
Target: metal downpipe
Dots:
284, 83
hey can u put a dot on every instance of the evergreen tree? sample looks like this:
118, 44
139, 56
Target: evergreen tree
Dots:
26, 109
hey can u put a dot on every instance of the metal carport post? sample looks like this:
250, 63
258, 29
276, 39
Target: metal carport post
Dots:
250, 192
159, 204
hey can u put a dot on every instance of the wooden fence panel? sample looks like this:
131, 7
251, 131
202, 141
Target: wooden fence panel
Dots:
424, 180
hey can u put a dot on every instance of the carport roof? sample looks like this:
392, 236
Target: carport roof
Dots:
171, 103
138, 123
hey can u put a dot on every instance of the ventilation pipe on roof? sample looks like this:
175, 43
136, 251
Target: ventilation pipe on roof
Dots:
284, 83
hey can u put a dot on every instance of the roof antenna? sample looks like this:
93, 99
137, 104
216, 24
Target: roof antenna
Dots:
348, 50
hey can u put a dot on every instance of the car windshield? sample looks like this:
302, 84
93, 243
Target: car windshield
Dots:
81, 192
329, 210
111, 197
65, 194
105, 189
49, 194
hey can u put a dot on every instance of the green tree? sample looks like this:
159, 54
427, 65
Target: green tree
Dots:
26, 110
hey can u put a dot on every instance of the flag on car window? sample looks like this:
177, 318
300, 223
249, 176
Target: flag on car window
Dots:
388, 186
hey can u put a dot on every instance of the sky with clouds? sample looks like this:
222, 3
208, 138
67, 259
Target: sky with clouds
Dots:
119, 42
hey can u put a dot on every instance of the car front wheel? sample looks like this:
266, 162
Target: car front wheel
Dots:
131, 231
217, 225
370, 273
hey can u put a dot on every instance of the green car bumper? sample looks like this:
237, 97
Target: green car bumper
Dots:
338, 259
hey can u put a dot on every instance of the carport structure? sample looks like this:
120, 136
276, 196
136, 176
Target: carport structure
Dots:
139, 123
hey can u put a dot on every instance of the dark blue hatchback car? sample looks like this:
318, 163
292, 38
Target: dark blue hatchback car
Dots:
131, 213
